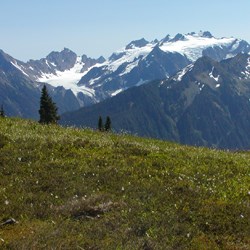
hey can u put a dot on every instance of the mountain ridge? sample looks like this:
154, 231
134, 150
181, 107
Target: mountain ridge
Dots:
88, 81
204, 105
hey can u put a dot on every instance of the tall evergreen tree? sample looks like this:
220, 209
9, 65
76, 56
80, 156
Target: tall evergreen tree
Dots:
48, 109
100, 124
108, 124
2, 113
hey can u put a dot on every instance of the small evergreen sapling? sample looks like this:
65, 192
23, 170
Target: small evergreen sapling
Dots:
2, 113
48, 109
100, 124
108, 124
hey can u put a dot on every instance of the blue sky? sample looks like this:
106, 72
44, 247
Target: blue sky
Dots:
30, 29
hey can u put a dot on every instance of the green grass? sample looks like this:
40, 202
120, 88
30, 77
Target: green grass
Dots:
81, 189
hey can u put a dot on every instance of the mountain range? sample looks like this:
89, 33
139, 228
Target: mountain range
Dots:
205, 104
191, 88
78, 81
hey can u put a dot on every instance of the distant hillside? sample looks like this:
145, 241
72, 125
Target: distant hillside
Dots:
66, 188
205, 104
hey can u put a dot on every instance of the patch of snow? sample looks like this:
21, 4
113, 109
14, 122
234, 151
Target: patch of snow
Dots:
140, 82
19, 68
216, 78
183, 72
217, 86
246, 73
46, 61
248, 65
92, 81
129, 68
193, 45
236, 45
31, 68
228, 56
130, 56
117, 92
202, 86
53, 64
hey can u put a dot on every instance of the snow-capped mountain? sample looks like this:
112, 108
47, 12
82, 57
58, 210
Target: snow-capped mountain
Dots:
60, 69
56, 63
20, 94
86, 81
205, 104
137, 63
142, 61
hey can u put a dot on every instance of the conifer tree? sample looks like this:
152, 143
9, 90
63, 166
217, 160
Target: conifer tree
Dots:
108, 124
48, 109
100, 124
2, 113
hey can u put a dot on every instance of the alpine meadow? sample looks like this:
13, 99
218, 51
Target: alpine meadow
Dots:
69, 188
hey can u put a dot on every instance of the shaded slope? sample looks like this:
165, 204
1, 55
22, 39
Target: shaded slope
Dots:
17, 92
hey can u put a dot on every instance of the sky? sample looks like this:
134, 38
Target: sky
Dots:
31, 29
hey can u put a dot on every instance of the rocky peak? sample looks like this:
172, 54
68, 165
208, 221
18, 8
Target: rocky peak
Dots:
206, 34
63, 60
165, 39
101, 59
137, 43
178, 37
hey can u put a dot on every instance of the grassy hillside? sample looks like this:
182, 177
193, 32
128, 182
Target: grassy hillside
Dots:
80, 189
